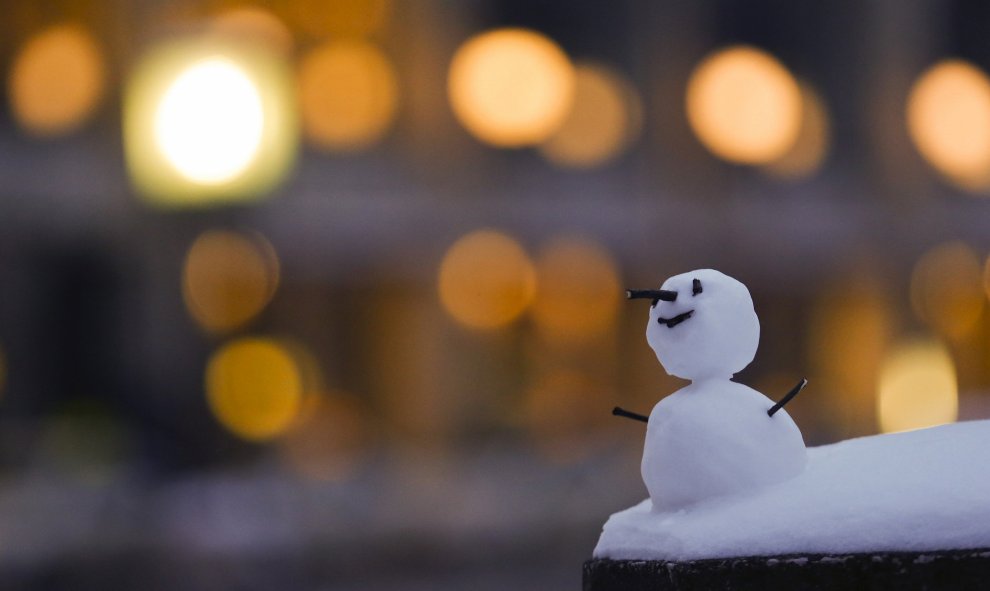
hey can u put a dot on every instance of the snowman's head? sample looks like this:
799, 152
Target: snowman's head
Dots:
703, 325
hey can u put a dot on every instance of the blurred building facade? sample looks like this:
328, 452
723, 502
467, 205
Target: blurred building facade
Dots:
335, 286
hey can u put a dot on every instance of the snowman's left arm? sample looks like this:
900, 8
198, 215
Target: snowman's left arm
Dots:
787, 398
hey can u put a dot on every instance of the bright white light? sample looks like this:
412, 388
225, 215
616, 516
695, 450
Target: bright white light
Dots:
209, 122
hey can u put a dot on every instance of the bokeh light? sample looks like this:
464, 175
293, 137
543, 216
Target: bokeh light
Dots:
917, 387
319, 19
486, 280
228, 278
57, 80
604, 118
849, 332
511, 87
811, 147
948, 117
252, 24
348, 93
744, 105
207, 122
254, 388
947, 289
578, 293
328, 439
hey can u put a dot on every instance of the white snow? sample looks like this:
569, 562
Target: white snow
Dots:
912, 491
714, 438
721, 335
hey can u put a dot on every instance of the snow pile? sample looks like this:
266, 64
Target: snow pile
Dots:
913, 491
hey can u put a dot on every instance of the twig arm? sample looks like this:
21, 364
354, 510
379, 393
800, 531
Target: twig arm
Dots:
620, 412
787, 398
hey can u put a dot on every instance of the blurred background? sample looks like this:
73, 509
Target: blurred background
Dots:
326, 294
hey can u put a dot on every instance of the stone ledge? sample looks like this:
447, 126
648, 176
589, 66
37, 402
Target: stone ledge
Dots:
937, 569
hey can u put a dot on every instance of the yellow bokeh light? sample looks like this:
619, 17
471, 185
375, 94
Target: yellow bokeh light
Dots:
208, 124
511, 87
604, 118
228, 278
808, 153
208, 121
947, 289
948, 116
578, 293
254, 388
348, 93
917, 387
486, 280
744, 105
57, 80
251, 24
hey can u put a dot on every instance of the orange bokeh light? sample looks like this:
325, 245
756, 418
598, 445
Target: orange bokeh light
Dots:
605, 117
251, 24
744, 105
947, 289
811, 147
486, 280
57, 80
228, 278
319, 19
948, 117
348, 92
511, 87
578, 294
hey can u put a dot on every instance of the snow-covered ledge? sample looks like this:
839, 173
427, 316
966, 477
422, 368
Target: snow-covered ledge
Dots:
914, 505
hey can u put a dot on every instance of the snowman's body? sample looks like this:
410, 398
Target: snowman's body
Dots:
714, 437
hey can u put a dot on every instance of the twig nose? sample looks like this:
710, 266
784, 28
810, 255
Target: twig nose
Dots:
651, 294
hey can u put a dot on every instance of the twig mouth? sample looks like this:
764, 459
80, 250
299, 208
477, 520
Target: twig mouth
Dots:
672, 322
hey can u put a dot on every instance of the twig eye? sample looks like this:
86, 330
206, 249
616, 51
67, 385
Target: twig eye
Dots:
696, 287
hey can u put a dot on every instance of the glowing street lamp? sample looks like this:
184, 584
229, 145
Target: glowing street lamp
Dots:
208, 122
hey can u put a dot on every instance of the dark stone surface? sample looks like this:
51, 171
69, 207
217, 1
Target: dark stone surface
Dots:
940, 569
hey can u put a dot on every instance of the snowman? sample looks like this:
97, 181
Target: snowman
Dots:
714, 437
